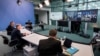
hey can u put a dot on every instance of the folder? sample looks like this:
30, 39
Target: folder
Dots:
72, 50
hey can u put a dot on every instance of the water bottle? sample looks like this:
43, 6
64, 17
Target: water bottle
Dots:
64, 37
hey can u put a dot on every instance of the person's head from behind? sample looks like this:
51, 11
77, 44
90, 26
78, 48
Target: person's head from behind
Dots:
53, 33
41, 21
18, 26
12, 23
28, 20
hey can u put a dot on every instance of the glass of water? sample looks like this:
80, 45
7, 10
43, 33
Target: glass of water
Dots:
64, 37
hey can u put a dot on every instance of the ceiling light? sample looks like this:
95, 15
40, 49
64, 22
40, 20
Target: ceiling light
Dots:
19, 2
47, 3
40, 5
69, 0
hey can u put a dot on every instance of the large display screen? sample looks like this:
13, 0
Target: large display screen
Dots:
82, 15
63, 23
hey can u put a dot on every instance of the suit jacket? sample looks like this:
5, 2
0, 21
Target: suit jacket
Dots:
29, 25
16, 34
49, 47
9, 30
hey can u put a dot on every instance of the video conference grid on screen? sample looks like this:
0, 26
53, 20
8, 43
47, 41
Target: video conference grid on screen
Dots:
82, 15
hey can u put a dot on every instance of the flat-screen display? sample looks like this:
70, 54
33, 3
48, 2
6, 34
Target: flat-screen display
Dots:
82, 15
63, 23
96, 29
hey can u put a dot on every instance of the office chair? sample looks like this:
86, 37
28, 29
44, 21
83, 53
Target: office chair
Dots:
13, 44
96, 43
5, 39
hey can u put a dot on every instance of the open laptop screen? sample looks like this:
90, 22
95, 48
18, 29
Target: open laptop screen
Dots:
67, 43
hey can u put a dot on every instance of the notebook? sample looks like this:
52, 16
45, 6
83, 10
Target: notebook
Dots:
72, 50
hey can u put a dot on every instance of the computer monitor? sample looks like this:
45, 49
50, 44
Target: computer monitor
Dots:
67, 43
82, 15
96, 29
63, 23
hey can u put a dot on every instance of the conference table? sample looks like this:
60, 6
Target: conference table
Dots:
84, 50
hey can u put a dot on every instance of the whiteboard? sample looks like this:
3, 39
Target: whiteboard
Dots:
56, 15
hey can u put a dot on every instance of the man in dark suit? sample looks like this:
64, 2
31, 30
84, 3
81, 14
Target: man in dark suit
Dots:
41, 24
29, 25
10, 28
17, 35
50, 46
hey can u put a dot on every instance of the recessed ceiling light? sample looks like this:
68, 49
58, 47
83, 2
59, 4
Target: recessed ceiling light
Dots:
47, 3
19, 2
69, 0
40, 5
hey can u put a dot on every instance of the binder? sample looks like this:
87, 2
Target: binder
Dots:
72, 50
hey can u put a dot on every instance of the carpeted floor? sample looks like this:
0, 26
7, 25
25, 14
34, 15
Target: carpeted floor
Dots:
16, 53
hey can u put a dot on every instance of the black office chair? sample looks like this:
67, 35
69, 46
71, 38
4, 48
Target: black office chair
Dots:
12, 44
95, 43
5, 39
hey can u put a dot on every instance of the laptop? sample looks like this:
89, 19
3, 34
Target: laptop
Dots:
70, 49
67, 43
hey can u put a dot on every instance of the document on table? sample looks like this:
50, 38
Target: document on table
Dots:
72, 50
25, 31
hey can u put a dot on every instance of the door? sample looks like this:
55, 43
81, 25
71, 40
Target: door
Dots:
36, 19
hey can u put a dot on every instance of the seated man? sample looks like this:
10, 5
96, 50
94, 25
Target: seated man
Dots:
29, 25
10, 28
17, 35
50, 46
96, 42
41, 25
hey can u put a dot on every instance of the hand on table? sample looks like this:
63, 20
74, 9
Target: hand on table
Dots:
25, 34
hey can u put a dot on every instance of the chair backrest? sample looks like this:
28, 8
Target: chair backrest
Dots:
13, 42
94, 41
5, 39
